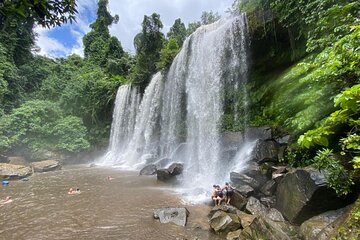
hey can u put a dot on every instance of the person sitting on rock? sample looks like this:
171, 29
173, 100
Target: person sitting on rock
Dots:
229, 192
217, 195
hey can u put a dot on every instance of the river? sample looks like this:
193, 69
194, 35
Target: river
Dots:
106, 209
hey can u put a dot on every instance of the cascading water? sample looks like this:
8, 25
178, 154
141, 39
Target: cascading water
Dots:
144, 142
180, 115
122, 127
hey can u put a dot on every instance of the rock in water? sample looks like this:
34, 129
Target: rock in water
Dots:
149, 170
10, 171
172, 215
45, 166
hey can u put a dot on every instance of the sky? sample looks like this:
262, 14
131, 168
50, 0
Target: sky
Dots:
67, 39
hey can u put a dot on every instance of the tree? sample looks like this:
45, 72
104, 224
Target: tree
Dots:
206, 18
46, 13
178, 32
148, 44
99, 46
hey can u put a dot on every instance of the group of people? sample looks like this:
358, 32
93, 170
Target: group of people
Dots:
219, 194
73, 191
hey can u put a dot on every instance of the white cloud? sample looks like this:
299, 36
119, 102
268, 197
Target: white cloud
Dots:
131, 14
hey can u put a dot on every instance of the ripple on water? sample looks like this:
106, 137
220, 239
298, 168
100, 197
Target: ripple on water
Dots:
117, 209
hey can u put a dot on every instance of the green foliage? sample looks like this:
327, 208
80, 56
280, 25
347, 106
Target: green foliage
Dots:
70, 133
99, 47
338, 178
148, 45
177, 32
167, 54
47, 13
37, 125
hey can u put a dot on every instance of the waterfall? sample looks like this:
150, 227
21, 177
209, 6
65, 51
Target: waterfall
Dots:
181, 113
122, 127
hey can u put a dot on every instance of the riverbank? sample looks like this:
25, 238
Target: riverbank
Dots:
120, 208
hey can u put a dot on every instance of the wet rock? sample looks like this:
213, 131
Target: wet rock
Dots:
263, 133
224, 222
148, 170
262, 228
10, 171
317, 227
163, 175
304, 193
265, 151
253, 176
169, 173
245, 190
45, 166
237, 200
177, 216
176, 169
17, 160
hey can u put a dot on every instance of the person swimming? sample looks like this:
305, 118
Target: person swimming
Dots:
8, 199
74, 191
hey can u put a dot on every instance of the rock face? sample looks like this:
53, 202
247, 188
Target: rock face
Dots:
266, 151
45, 166
253, 176
148, 170
319, 227
10, 171
177, 216
303, 193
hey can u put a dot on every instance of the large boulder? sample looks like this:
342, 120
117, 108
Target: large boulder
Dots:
318, 227
10, 171
262, 228
265, 151
169, 173
175, 169
245, 219
177, 216
255, 207
244, 190
304, 193
254, 176
224, 222
263, 133
163, 175
148, 170
224, 208
238, 200
45, 166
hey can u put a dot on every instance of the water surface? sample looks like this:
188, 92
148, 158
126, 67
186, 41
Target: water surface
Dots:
118, 209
